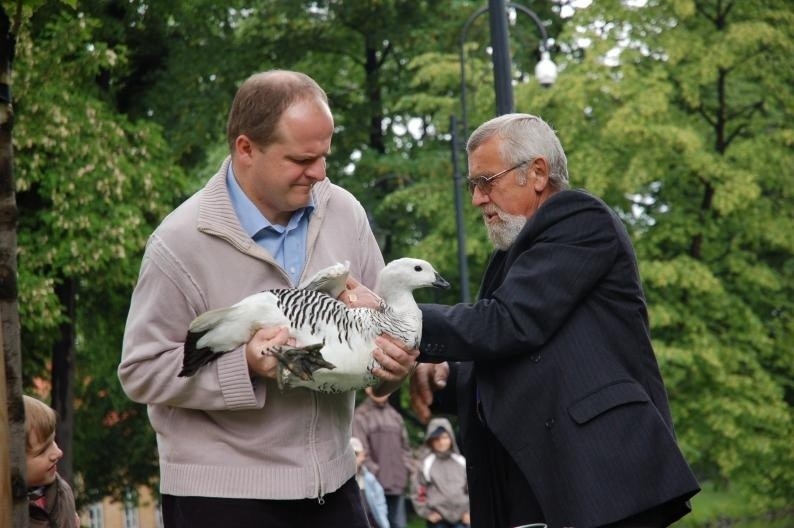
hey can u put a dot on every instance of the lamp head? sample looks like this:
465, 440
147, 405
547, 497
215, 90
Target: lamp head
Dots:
546, 70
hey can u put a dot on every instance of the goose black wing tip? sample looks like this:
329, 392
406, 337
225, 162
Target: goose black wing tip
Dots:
194, 358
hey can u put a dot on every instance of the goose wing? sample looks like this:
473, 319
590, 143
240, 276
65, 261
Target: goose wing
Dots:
330, 280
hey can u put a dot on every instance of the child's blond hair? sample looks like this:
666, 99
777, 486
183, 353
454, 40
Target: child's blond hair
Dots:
39, 422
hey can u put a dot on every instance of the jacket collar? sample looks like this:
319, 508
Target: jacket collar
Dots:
216, 215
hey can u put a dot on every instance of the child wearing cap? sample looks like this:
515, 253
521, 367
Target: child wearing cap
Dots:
371, 491
440, 494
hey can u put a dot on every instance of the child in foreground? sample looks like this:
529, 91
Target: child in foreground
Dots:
51, 502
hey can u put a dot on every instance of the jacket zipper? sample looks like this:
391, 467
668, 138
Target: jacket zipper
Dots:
312, 441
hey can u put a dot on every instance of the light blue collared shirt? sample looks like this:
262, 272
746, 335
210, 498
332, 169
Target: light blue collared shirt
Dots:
287, 244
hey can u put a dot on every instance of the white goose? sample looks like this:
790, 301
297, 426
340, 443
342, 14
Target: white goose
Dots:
333, 343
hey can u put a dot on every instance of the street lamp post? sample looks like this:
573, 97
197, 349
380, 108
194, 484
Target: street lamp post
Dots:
545, 69
545, 72
502, 67
463, 263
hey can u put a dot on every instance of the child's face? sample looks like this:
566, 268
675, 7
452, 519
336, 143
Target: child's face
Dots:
441, 443
42, 462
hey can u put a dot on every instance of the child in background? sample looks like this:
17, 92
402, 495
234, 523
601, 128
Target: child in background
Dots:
382, 431
371, 491
440, 494
51, 502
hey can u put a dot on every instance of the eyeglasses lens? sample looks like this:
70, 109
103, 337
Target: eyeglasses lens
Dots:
481, 183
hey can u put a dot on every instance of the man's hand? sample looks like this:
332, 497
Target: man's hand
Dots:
356, 295
396, 361
261, 362
427, 378
434, 517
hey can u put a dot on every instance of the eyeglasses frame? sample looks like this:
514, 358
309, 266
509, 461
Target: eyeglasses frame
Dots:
485, 183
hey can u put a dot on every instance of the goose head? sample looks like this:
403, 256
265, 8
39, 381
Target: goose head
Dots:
403, 276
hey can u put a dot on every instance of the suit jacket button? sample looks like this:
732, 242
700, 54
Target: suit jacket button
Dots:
549, 423
535, 358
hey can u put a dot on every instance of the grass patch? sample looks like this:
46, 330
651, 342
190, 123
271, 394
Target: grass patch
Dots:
712, 508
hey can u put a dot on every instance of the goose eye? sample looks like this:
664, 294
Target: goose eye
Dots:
417, 268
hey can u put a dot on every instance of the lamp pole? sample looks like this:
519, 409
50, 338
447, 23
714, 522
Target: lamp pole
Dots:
545, 72
463, 263
502, 63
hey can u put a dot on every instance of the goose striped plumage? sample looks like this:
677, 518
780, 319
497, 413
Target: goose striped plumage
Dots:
333, 343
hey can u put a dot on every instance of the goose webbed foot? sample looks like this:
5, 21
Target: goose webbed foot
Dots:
298, 361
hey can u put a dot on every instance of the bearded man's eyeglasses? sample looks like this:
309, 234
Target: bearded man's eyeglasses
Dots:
485, 183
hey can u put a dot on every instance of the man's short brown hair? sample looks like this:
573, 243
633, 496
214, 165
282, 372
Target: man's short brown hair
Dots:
262, 99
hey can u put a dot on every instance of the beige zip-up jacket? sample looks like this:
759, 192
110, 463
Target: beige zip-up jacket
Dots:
220, 433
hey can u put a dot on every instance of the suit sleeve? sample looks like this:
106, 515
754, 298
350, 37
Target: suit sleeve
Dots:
553, 270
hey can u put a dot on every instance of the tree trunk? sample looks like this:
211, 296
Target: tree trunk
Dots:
63, 378
11, 380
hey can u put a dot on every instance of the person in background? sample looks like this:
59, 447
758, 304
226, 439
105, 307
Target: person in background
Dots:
382, 431
371, 490
234, 449
563, 413
51, 501
439, 491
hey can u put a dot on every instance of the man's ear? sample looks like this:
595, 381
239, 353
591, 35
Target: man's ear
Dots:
244, 149
540, 172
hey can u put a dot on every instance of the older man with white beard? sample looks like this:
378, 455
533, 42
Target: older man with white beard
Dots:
563, 413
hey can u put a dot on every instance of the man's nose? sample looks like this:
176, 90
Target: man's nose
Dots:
316, 170
478, 197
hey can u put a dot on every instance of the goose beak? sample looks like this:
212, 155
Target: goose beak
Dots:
440, 282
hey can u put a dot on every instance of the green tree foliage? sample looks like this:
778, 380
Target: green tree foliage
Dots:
90, 186
185, 63
114, 443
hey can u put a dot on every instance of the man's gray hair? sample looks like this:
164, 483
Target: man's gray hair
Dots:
525, 137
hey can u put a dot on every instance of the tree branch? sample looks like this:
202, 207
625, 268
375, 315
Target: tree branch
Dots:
384, 54
750, 111
700, 9
706, 116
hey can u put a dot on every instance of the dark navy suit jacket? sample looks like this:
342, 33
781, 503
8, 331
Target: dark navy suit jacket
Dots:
558, 346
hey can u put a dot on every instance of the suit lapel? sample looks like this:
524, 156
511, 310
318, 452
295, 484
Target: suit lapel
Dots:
494, 273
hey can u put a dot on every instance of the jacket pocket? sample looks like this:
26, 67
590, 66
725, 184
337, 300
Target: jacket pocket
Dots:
606, 398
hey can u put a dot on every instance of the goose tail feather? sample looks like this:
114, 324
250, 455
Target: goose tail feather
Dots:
213, 323
194, 358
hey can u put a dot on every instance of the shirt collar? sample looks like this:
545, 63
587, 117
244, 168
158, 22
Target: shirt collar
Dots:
251, 219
